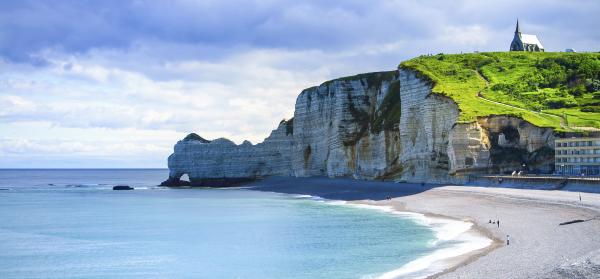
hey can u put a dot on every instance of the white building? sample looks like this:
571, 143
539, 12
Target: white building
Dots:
577, 156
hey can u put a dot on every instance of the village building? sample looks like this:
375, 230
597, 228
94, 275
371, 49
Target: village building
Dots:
577, 156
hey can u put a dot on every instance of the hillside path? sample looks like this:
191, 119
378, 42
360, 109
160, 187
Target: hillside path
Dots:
487, 83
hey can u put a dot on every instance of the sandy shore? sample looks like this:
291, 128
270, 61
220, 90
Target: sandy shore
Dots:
539, 247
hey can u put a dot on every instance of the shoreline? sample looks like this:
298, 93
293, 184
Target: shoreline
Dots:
450, 263
437, 223
539, 247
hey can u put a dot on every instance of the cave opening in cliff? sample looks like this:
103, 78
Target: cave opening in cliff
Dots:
511, 134
185, 177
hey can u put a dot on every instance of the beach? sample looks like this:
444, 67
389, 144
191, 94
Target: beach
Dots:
539, 246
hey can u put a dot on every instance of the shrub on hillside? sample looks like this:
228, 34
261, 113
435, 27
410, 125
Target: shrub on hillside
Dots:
556, 103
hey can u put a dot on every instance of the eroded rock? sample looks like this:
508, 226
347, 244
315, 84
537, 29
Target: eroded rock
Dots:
386, 125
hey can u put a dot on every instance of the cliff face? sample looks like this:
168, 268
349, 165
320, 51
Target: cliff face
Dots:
425, 126
343, 128
385, 125
437, 148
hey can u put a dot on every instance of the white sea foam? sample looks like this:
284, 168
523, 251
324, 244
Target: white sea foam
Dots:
235, 187
438, 260
453, 238
302, 196
333, 202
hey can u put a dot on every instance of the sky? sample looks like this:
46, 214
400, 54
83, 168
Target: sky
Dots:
115, 84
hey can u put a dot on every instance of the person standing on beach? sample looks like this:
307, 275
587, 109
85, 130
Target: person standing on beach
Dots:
507, 239
579, 197
498, 223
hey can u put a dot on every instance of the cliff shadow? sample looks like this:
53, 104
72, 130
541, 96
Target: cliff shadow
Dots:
345, 189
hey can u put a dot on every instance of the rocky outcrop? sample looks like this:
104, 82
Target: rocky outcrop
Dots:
501, 144
347, 127
384, 125
221, 162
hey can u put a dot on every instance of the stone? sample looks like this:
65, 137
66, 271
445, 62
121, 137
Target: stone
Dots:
122, 187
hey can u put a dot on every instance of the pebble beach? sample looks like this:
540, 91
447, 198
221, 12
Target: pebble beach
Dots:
539, 246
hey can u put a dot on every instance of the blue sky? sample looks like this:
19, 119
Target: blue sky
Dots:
117, 83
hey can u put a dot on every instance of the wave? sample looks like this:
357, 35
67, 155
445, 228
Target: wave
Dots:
464, 243
453, 238
302, 196
78, 185
316, 198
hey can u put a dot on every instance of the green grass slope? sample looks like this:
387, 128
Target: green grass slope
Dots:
558, 90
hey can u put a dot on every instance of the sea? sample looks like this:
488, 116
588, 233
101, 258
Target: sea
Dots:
69, 223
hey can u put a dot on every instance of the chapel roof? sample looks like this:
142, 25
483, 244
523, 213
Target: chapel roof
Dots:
531, 40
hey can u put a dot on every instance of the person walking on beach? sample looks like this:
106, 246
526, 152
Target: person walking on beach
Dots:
507, 239
579, 197
498, 223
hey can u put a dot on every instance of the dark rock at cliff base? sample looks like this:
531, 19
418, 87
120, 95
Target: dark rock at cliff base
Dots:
208, 182
122, 187
221, 182
171, 182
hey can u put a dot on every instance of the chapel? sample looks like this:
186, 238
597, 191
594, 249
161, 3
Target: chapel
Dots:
525, 42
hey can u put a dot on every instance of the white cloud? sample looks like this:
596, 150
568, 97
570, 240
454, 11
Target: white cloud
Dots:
139, 88
466, 36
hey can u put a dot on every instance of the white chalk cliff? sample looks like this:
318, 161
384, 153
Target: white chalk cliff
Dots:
384, 125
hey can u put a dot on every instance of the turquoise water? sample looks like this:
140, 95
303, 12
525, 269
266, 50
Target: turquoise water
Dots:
69, 223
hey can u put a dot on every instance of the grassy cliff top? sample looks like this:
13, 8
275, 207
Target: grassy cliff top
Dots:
372, 79
558, 90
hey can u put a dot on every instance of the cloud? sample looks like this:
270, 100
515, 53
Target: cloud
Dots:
43, 145
250, 89
31, 27
71, 147
145, 73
